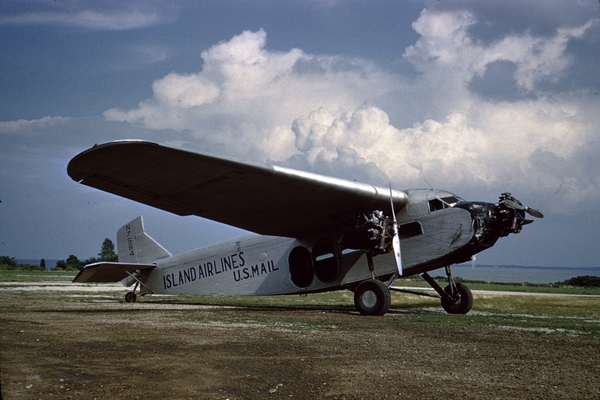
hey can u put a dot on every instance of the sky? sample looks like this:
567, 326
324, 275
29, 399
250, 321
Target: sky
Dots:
477, 98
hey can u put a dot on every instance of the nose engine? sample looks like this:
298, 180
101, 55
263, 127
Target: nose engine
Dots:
492, 221
511, 214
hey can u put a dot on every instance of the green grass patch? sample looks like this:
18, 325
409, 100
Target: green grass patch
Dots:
417, 282
36, 276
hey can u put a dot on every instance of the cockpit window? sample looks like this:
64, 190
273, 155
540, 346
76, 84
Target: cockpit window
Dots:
443, 202
450, 200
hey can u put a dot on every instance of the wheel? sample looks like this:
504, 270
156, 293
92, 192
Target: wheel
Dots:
372, 297
130, 297
461, 304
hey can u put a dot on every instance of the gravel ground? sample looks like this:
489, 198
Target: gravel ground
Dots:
91, 348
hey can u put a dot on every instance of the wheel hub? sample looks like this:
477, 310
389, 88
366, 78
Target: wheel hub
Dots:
369, 298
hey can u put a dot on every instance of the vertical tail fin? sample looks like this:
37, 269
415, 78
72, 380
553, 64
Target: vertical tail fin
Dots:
134, 245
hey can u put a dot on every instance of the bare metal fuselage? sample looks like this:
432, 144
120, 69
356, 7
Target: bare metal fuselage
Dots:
261, 265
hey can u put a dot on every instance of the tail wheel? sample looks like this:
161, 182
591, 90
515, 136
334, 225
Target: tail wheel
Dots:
461, 301
130, 297
372, 297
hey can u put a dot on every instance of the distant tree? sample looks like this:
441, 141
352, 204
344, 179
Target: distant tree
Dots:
43, 263
585, 281
73, 263
61, 264
10, 261
107, 253
90, 260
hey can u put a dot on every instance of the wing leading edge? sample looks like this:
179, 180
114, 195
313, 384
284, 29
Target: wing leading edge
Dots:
262, 198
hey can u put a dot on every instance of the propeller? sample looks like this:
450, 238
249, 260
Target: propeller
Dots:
396, 237
508, 200
473, 261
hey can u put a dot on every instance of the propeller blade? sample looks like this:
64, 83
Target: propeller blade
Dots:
396, 237
533, 212
514, 204
473, 261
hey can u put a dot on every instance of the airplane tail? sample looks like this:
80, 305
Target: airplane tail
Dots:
134, 245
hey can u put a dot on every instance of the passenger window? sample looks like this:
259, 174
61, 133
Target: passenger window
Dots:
410, 229
301, 267
326, 256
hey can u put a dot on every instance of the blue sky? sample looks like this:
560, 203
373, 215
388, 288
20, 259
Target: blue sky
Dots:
475, 97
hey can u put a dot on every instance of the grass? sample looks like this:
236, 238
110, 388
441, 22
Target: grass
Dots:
418, 282
415, 282
36, 276
547, 316
539, 315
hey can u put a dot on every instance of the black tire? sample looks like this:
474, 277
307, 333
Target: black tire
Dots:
372, 297
130, 297
460, 305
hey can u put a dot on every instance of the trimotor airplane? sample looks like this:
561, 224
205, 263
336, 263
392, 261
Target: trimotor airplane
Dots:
311, 233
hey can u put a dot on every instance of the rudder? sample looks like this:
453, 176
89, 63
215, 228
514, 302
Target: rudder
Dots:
134, 245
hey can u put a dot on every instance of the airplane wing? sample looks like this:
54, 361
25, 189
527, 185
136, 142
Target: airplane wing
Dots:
109, 271
265, 199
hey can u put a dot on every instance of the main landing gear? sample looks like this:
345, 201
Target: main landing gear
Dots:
372, 297
131, 297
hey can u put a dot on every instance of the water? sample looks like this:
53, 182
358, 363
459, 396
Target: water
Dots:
515, 273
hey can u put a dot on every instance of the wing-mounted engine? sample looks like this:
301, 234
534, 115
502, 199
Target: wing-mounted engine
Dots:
373, 233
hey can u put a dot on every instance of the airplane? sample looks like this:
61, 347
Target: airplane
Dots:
309, 233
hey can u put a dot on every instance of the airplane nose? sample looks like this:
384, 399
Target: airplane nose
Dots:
484, 218
491, 221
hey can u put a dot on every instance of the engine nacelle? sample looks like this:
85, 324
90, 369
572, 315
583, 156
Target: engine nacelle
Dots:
374, 232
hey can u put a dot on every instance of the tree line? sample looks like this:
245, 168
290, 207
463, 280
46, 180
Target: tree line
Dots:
72, 263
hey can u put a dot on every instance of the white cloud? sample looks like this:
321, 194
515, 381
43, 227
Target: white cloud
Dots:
89, 19
245, 98
23, 126
445, 44
330, 114
450, 150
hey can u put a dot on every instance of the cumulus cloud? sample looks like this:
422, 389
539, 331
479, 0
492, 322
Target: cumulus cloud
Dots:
331, 114
445, 42
23, 126
450, 150
246, 97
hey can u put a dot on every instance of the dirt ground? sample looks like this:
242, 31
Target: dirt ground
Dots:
102, 349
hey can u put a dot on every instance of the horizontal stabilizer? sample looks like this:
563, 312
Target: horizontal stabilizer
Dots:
109, 271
